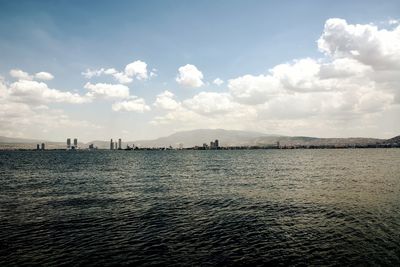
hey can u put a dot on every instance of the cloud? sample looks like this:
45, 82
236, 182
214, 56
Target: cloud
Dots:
254, 89
106, 90
45, 76
136, 69
19, 74
39, 92
190, 76
218, 82
165, 101
211, 103
351, 87
22, 109
135, 104
88, 74
379, 48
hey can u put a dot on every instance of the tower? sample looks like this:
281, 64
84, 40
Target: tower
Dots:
111, 144
119, 144
76, 142
43, 146
68, 143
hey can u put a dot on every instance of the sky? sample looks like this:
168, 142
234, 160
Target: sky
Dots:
97, 70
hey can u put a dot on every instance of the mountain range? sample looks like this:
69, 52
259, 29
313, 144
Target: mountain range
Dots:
198, 137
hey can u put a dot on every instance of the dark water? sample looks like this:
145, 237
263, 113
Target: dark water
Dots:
282, 207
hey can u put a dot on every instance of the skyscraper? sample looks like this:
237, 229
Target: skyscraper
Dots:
119, 144
216, 144
115, 145
69, 143
43, 146
76, 142
111, 144
37, 147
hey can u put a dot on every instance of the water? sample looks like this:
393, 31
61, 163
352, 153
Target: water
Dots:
281, 207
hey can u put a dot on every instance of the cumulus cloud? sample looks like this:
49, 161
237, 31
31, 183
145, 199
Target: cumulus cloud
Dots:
253, 89
20, 74
23, 109
211, 103
218, 82
353, 84
39, 92
190, 76
166, 100
45, 76
106, 90
136, 69
379, 48
135, 104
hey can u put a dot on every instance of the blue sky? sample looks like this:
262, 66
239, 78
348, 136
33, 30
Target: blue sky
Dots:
222, 39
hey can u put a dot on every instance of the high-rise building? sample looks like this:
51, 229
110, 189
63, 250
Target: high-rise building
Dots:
119, 144
76, 142
216, 144
211, 145
38, 147
43, 146
111, 144
115, 145
68, 143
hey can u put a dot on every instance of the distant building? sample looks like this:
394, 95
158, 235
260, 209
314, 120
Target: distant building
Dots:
43, 146
115, 145
111, 144
68, 143
119, 144
76, 142
205, 146
38, 147
214, 145
91, 147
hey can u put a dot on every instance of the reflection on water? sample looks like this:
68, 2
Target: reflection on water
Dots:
298, 207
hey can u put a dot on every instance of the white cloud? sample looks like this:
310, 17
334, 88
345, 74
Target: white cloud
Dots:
88, 74
218, 82
22, 111
254, 89
39, 92
189, 76
45, 76
19, 74
136, 69
165, 101
211, 103
106, 90
135, 104
379, 48
344, 92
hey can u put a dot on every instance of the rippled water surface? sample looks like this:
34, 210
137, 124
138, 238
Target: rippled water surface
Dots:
283, 207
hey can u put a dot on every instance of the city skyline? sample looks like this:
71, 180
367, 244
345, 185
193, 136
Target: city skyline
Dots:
147, 70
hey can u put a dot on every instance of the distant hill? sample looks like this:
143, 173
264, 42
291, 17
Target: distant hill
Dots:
9, 140
393, 140
198, 137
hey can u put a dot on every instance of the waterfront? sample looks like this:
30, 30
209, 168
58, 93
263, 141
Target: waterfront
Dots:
289, 207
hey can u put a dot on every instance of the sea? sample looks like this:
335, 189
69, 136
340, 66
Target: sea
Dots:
301, 207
